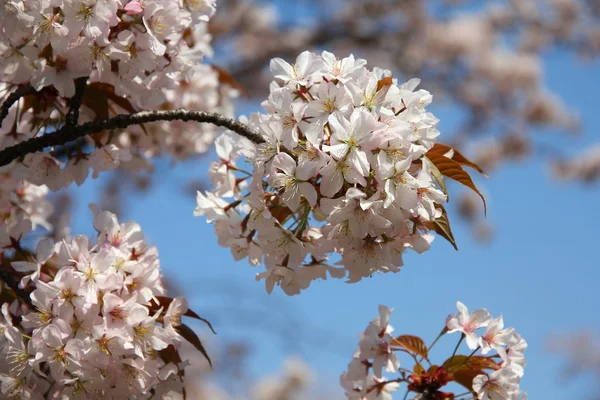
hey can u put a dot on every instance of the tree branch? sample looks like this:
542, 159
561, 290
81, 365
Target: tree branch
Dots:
13, 98
68, 134
75, 102
12, 283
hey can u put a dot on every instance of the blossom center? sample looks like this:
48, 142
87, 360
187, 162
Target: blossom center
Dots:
118, 313
85, 13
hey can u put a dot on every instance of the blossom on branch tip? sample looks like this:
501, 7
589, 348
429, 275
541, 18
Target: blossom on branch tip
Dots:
343, 153
98, 322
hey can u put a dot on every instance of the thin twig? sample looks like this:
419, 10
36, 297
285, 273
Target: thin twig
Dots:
68, 134
75, 102
13, 98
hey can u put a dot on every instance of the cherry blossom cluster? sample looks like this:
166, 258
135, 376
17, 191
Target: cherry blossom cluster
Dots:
364, 378
135, 54
96, 329
378, 353
138, 46
509, 346
342, 170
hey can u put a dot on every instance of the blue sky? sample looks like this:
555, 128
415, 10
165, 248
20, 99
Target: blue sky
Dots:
539, 271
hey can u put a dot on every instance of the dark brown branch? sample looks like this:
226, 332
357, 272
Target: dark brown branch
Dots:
13, 98
68, 134
12, 283
75, 102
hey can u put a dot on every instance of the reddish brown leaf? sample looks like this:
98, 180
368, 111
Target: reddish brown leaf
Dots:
441, 226
478, 362
433, 369
166, 301
463, 369
465, 376
189, 335
412, 344
387, 81
450, 168
96, 97
442, 149
170, 354
418, 369
280, 213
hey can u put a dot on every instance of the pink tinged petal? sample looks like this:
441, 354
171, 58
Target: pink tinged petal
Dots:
342, 128
463, 311
403, 165
453, 325
280, 180
378, 363
337, 151
478, 383
281, 69
309, 192
359, 226
45, 250
421, 243
353, 176
137, 314
384, 315
304, 172
406, 197
358, 159
284, 162
133, 8
332, 180
303, 62
472, 340
291, 197
393, 363
24, 266
480, 318
314, 133
377, 221
155, 44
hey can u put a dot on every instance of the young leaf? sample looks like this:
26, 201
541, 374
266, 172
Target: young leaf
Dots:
452, 169
442, 149
463, 369
441, 226
413, 344
465, 376
478, 362
387, 81
189, 335
418, 369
